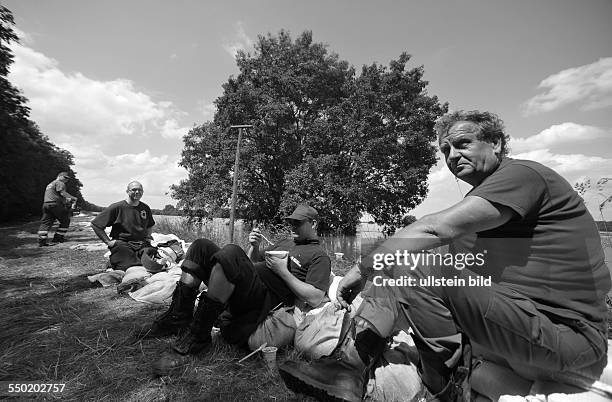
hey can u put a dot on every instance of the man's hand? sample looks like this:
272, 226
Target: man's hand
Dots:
277, 265
111, 244
255, 237
349, 287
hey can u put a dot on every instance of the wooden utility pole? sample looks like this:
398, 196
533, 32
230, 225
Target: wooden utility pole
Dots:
235, 184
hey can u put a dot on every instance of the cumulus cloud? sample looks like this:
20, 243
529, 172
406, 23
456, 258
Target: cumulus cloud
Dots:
241, 41
591, 85
73, 106
105, 176
564, 133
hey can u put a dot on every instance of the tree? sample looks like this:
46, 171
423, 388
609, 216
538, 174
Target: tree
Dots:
28, 160
322, 135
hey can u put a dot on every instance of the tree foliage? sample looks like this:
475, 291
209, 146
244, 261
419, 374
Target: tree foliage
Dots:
28, 160
345, 143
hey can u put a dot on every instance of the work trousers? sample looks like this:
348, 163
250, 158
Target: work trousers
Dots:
50, 213
125, 254
251, 299
502, 324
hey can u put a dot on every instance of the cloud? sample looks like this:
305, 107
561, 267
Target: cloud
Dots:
591, 85
208, 110
172, 129
564, 133
72, 107
105, 176
242, 42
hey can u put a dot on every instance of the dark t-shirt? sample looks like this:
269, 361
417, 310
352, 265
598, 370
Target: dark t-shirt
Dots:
550, 250
307, 261
129, 223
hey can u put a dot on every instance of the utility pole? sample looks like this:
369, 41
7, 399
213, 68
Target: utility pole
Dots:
235, 184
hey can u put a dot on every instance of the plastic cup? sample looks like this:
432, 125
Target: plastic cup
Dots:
269, 355
277, 253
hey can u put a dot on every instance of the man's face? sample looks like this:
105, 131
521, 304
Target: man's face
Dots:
467, 157
64, 178
134, 192
300, 230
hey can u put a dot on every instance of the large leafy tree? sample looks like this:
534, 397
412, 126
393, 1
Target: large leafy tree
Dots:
346, 144
28, 160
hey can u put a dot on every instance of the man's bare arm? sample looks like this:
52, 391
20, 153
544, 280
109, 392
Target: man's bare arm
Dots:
102, 235
472, 214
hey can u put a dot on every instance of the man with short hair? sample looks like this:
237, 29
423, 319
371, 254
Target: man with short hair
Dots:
248, 285
132, 223
532, 298
56, 205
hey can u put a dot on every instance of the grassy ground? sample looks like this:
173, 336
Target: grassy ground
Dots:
57, 328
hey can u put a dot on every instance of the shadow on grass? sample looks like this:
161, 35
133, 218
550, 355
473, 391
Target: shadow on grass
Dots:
57, 328
66, 331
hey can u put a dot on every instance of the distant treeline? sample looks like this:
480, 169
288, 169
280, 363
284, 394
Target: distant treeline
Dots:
168, 210
88, 206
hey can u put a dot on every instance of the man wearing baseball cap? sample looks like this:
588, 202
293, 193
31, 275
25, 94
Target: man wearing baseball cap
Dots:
246, 285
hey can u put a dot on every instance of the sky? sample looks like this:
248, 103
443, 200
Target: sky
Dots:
118, 83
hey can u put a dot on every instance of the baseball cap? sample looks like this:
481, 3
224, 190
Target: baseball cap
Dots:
303, 212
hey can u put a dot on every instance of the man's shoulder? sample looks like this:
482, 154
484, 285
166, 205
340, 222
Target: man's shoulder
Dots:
144, 205
314, 249
509, 163
118, 204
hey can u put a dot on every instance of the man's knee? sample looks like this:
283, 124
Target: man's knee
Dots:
235, 263
198, 261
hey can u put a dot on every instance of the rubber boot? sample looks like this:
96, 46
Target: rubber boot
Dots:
343, 375
179, 315
58, 238
197, 340
457, 388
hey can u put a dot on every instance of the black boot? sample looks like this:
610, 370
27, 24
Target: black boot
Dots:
343, 375
456, 385
179, 314
58, 238
198, 338
194, 341
43, 242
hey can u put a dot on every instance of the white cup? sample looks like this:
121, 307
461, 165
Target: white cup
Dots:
269, 355
277, 253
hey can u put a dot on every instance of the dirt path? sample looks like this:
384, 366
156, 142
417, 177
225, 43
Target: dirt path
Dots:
57, 328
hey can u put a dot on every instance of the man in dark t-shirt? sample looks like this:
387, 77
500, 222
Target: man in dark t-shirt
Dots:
131, 223
527, 289
247, 286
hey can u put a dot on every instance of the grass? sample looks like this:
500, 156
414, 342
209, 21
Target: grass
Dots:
57, 328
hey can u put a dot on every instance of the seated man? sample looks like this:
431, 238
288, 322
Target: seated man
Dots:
529, 295
132, 223
244, 284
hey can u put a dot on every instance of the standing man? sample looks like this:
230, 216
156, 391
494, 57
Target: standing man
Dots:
132, 222
56, 206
